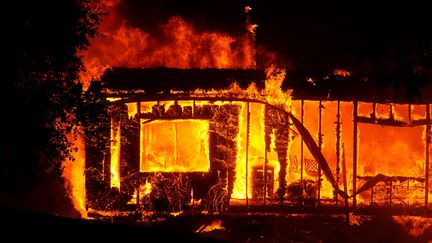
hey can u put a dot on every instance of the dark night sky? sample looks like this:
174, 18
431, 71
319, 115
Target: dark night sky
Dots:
312, 35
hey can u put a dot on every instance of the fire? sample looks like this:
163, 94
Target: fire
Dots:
388, 150
182, 145
115, 154
146, 188
179, 45
74, 176
256, 149
256, 142
132, 109
214, 225
274, 94
163, 146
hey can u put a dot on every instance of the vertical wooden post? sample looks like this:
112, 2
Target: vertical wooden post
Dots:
320, 148
355, 153
391, 115
265, 157
338, 138
345, 184
301, 151
265, 173
428, 133
247, 150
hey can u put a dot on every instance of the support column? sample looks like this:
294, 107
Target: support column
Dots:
320, 142
301, 152
338, 138
266, 144
428, 133
265, 174
247, 150
355, 154
345, 184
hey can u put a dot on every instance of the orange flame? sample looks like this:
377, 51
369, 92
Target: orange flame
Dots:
214, 225
179, 46
115, 154
275, 95
73, 174
163, 146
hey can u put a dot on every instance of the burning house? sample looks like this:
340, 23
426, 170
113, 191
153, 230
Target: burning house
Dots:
193, 122
211, 138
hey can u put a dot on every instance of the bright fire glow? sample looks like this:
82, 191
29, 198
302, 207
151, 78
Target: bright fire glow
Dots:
256, 153
132, 109
388, 150
214, 225
115, 154
73, 174
145, 189
178, 45
175, 146
182, 145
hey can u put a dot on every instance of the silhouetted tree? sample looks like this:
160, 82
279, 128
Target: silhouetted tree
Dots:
40, 89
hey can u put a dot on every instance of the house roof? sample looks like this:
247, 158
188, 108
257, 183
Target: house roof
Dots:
163, 80
155, 81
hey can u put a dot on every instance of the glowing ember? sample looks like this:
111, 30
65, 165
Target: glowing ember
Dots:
214, 225
415, 225
341, 72
146, 188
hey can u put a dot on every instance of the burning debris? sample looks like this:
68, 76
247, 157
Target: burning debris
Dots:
214, 225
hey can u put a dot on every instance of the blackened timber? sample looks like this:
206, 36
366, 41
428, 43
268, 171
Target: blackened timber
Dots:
316, 153
320, 142
163, 80
301, 149
247, 150
345, 184
129, 98
195, 98
355, 118
331, 87
391, 122
338, 140
391, 178
427, 144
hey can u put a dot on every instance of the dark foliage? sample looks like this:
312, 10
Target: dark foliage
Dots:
42, 95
